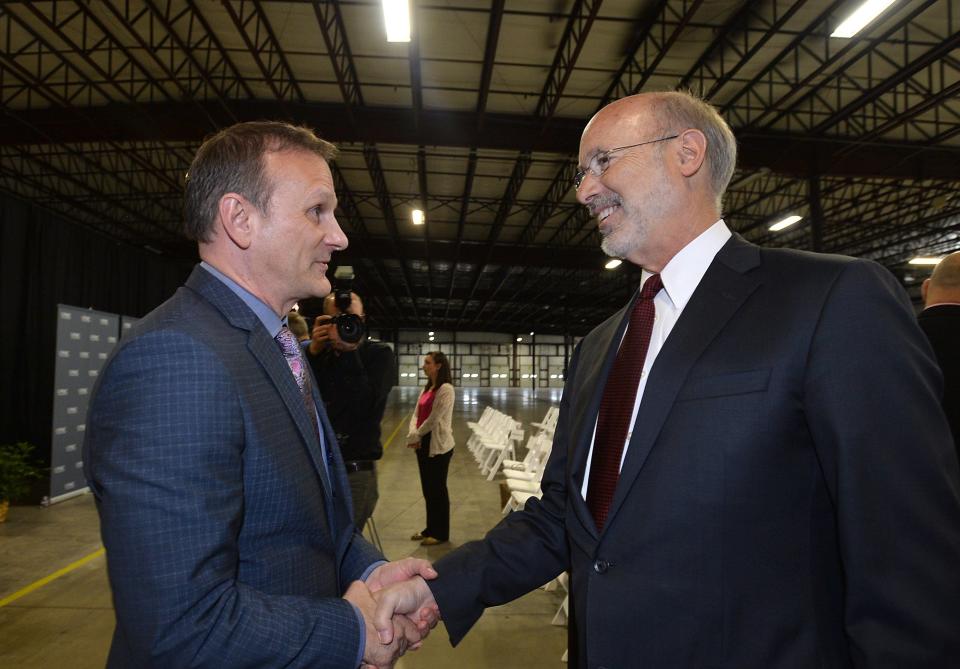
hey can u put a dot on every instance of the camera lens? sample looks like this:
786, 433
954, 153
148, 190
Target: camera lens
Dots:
349, 328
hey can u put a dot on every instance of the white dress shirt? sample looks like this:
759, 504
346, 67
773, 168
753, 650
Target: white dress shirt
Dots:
680, 278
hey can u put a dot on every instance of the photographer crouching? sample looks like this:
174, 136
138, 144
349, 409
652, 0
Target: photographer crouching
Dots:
354, 375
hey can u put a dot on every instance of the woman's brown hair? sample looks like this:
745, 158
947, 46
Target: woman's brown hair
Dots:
443, 374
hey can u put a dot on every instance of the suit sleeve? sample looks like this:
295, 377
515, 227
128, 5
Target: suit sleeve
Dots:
164, 457
525, 550
871, 399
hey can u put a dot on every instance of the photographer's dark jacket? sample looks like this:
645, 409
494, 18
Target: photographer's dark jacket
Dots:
354, 386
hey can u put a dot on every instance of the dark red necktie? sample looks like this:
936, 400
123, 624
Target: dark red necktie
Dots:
616, 407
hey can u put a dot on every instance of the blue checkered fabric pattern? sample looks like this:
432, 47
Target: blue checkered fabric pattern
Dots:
225, 546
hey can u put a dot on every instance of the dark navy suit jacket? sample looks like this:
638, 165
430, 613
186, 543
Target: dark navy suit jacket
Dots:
941, 324
227, 545
790, 498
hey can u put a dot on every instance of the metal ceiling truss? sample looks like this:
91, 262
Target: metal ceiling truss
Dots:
251, 22
658, 30
104, 102
335, 36
486, 75
575, 34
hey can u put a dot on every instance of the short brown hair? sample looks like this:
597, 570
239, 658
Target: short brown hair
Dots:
232, 161
297, 325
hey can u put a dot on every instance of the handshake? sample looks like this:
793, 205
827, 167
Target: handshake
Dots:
398, 610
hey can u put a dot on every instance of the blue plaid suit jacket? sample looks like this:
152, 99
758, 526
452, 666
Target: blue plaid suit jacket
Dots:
226, 544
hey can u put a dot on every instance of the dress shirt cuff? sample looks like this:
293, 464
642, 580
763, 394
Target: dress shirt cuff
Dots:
369, 570
363, 635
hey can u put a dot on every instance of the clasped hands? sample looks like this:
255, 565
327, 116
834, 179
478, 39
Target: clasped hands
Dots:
398, 609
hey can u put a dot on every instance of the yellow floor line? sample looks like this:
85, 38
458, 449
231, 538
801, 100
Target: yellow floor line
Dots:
82, 561
36, 585
403, 421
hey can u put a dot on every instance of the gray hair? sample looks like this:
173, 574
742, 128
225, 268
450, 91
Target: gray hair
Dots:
231, 161
678, 110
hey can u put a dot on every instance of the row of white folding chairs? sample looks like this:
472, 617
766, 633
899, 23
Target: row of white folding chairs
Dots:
538, 448
492, 440
549, 421
523, 482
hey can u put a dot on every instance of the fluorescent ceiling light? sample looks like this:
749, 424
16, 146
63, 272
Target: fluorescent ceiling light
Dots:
861, 16
396, 19
785, 223
614, 264
417, 216
924, 260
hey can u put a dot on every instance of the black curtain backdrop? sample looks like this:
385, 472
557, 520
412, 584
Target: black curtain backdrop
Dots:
44, 261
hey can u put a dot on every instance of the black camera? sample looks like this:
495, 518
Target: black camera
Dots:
350, 327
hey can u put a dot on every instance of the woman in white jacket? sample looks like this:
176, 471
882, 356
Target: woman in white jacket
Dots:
431, 434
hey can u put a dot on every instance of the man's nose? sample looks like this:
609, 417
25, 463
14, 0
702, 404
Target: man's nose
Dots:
336, 237
588, 188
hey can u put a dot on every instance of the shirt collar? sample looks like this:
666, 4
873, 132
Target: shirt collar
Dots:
683, 273
270, 320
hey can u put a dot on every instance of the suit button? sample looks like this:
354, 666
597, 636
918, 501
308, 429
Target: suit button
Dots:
601, 566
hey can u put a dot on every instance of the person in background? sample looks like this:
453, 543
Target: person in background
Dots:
751, 468
216, 475
298, 326
940, 321
431, 435
354, 380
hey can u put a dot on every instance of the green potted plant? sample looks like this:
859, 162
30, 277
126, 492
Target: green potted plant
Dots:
17, 470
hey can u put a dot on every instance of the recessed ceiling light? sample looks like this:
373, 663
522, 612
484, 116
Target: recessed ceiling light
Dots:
396, 19
417, 217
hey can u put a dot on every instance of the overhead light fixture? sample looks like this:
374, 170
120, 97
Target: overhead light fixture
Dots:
860, 17
396, 19
925, 260
431, 333
785, 223
417, 217
431, 338
614, 264
519, 338
531, 334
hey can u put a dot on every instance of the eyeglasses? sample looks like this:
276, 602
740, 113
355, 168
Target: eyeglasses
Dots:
601, 161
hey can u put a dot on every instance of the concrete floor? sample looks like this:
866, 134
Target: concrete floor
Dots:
68, 621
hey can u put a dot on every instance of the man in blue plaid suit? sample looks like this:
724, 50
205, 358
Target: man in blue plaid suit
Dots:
223, 500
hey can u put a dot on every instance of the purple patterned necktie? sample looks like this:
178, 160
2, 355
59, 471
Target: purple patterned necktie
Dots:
616, 407
292, 352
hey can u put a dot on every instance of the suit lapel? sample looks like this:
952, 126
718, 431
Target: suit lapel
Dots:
268, 354
724, 288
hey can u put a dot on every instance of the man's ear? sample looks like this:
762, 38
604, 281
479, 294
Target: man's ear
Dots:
693, 151
234, 214
924, 287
